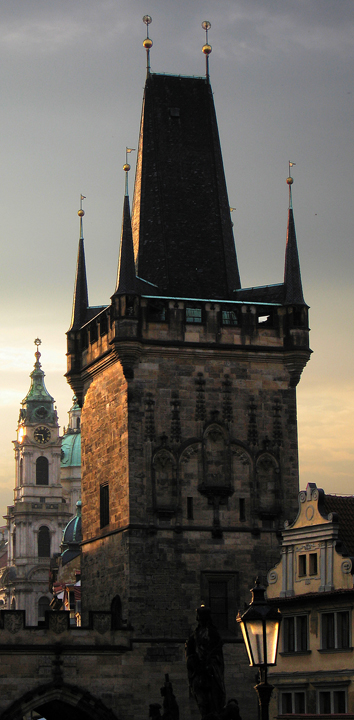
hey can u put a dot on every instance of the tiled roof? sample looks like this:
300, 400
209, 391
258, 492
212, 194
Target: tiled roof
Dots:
344, 507
183, 239
264, 294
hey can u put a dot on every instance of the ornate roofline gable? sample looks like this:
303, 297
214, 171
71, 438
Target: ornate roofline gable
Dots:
311, 509
311, 554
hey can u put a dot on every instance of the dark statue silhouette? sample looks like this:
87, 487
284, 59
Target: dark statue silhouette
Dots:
205, 667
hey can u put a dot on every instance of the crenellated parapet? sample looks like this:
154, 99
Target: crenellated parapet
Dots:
134, 321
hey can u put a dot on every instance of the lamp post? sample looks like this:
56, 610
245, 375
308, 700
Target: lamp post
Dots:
260, 625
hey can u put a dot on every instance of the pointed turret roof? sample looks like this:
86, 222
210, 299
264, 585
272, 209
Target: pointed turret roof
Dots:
80, 301
292, 275
182, 230
126, 278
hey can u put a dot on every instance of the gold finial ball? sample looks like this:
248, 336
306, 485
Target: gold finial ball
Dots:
290, 180
126, 167
147, 43
207, 49
81, 213
206, 25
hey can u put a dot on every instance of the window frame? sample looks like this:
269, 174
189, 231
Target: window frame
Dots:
232, 583
44, 544
104, 505
333, 688
338, 647
296, 634
42, 473
229, 317
195, 320
292, 691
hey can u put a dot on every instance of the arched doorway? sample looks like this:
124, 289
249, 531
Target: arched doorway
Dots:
55, 703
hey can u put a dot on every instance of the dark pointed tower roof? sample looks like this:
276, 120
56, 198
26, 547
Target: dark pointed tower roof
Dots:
80, 301
182, 231
126, 278
292, 275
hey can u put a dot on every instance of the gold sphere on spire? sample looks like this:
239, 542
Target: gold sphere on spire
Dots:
147, 43
126, 167
207, 49
289, 180
81, 213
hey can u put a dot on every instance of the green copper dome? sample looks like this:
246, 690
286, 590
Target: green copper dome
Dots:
71, 450
72, 536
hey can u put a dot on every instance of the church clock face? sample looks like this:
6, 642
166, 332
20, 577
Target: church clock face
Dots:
41, 434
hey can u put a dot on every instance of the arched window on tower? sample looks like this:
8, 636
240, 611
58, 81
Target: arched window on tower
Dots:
21, 472
42, 467
14, 544
43, 542
43, 605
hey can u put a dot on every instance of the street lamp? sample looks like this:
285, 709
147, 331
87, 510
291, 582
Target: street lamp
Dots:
260, 625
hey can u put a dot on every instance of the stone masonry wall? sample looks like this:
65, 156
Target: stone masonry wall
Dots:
205, 432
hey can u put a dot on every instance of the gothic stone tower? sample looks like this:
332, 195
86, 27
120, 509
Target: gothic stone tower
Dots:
39, 514
188, 391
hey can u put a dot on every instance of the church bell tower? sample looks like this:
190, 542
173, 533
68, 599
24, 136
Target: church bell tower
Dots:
39, 514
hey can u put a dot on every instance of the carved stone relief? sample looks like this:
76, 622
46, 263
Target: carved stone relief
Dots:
268, 481
165, 480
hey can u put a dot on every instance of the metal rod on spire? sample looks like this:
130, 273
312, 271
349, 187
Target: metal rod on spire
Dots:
147, 19
126, 168
81, 214
290, 181
206, 25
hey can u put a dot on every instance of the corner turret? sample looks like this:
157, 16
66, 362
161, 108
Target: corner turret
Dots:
293, 294
126, 277
80, 301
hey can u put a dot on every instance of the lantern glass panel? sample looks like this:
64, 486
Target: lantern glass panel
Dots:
245, 639
272, 632
255, 637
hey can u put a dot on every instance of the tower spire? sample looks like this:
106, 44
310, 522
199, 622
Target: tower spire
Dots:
126, 277
80, 301
206, 25
292, 274
147, 19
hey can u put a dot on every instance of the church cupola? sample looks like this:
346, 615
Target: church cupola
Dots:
37, 411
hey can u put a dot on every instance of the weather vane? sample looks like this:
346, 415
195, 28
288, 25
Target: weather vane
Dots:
37, 354
290, 181
81, 214
206, 25
126, 167
147, 19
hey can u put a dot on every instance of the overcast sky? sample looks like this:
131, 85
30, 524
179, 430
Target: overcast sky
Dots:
72, 76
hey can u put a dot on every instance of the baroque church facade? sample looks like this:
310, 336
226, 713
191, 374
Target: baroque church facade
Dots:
47, 486
187, 384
